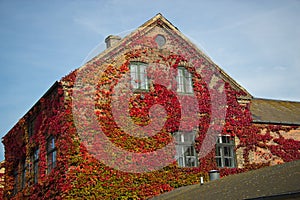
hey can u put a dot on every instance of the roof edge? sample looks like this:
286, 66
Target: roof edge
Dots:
53, 86
277, 100
157, 17
275, 123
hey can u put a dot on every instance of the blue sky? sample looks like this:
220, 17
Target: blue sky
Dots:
256, 42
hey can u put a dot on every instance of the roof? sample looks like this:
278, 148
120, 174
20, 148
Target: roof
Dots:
157, 21
225, 76
276, 182
28, 113
166, 26
275, 111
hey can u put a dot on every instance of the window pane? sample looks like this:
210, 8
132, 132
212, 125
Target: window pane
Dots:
180, 162
188, 82
226, 139
180, 85
179, 151
190, 151
23, 178
218, 151
227, 162
190, 161
36, 154
51, 154
177, 137
54, 158
50, 144
133, 76
184, 81
143, 77
219, 162
50, 160
36, 171
138, 75
227, 151
192, 136
31, 127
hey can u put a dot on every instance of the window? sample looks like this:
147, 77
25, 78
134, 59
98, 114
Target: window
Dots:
184, 81
225, 155
35, 161
186, 155
138, 75
23, 175
31, 127
51, 154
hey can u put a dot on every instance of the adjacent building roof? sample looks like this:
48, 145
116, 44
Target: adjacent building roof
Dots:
275, 111
276, 182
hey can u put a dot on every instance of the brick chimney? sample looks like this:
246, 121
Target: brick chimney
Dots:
111, 40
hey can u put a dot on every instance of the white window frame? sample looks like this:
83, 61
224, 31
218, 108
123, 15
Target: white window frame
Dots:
186, 154
184, 81
138, 75
225, 153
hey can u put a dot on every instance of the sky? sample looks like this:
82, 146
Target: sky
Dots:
256, 42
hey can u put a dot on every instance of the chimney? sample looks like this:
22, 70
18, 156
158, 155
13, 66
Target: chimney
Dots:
111, 40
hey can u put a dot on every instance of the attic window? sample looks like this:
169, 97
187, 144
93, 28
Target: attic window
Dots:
160, 40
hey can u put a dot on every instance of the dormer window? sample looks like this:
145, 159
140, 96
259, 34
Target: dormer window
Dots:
184, 81
138, 75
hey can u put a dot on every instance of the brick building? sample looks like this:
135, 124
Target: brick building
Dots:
58, 151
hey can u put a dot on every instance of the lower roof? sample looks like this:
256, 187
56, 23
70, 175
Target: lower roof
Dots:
276, 182
275, 111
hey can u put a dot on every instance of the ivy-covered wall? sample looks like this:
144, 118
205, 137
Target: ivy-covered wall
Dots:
79, 172
275, 144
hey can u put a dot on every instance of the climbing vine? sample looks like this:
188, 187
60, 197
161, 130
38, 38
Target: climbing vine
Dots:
80, 174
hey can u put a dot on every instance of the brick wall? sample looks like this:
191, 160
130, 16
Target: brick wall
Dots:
276, 144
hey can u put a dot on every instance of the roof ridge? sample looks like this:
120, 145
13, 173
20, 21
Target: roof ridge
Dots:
157, 17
